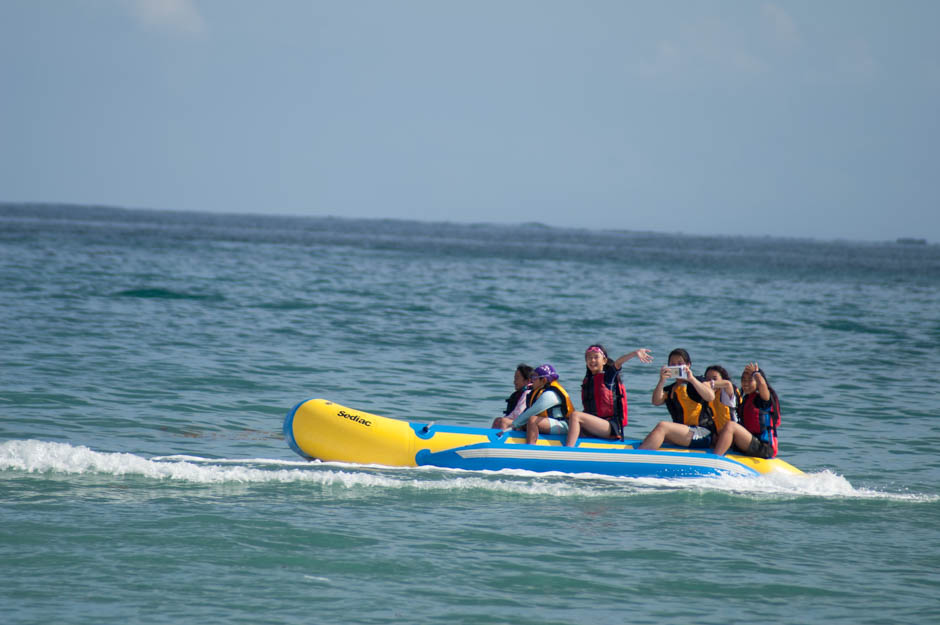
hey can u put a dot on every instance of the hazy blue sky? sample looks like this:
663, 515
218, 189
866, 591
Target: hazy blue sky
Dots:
798, 118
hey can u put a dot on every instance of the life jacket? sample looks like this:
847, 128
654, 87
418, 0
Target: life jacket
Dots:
683, 408
513, 399
556, 412
722, 414
762, 423
602, 400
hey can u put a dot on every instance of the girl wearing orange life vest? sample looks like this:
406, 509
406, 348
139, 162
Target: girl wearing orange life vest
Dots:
688, 400
727, 396
603, 395
756, 434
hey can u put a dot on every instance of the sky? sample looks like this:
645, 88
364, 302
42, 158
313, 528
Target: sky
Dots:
810, 118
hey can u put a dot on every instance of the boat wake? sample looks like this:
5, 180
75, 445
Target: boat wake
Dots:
35, 458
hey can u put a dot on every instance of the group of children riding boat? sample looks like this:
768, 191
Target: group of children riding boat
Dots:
707, 411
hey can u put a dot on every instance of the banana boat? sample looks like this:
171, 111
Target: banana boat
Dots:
318, 429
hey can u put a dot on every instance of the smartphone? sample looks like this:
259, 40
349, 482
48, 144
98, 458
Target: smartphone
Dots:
679, 370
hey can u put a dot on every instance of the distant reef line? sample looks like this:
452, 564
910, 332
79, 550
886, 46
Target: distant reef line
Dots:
104, 211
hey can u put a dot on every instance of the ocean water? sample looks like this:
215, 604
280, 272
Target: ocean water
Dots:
149, 359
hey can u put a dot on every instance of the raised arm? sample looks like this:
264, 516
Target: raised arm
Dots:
762, 386
659, 398
726, 390
705, 390
642, 353
723, 385
759, 380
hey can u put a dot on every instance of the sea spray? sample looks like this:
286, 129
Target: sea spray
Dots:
32, 456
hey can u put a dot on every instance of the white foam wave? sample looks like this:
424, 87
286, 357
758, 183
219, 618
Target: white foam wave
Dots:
47, 457
34, 456
782, 485
258, 461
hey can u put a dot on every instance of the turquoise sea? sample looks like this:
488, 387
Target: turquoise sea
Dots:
149, 358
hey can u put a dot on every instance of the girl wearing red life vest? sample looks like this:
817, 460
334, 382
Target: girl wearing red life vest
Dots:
603, 395
756, 434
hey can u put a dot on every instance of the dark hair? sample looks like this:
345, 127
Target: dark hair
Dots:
773, 393
766, 381
722, 372
525, 370
680, 352
762, 374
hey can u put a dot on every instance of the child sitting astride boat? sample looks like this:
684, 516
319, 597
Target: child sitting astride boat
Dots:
603, 395
548, 406
688, 401
756, 434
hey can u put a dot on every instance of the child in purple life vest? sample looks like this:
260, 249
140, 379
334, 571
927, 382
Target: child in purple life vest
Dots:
602, 395
547, 406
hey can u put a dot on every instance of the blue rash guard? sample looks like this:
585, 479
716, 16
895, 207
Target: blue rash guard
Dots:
547, 401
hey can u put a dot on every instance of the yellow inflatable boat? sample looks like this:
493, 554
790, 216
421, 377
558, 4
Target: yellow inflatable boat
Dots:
323, 430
